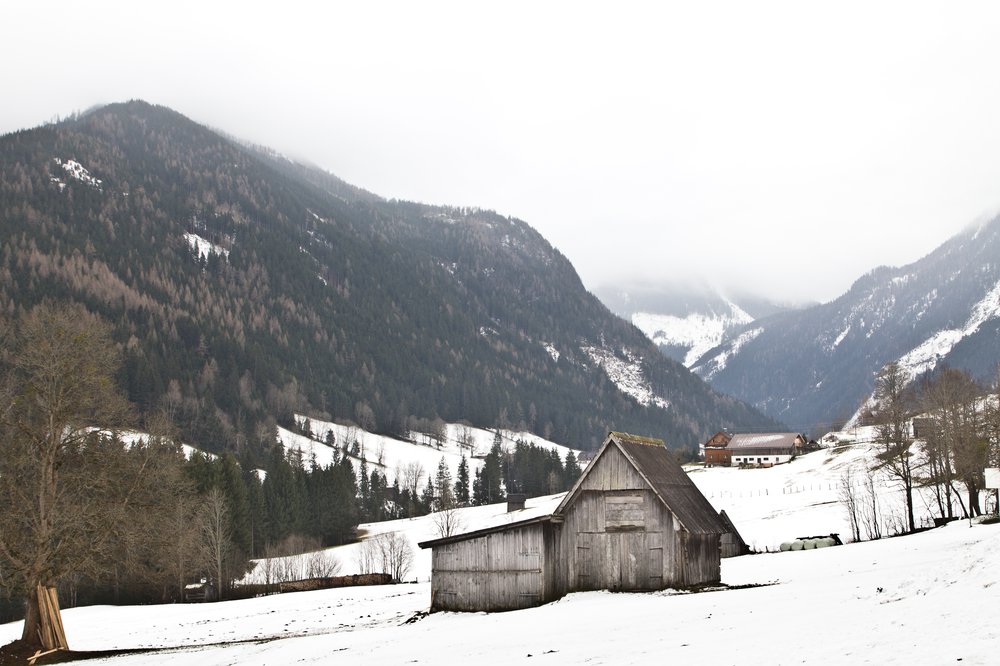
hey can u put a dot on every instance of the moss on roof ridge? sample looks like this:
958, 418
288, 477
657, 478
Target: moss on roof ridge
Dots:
638, 439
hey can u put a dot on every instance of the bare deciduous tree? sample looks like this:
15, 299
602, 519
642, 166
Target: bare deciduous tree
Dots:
892, 431
388, 552
848, 495
448, 522
57, 388
217, 543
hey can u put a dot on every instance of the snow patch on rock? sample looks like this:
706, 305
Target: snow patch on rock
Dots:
718, 362
626, 373
203, 247
699, 332
76, 170
926, 355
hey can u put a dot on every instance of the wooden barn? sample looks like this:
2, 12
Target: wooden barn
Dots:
634, 521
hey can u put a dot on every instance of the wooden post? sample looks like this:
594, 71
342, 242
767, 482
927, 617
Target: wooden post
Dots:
50, 632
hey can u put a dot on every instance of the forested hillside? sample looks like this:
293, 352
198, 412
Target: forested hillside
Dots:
244, 287
818, 365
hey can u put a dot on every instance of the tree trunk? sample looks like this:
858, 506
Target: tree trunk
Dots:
909, 505
32, 622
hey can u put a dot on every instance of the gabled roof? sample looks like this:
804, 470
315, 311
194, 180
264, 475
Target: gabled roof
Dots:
725, 436
666, 479
770, 440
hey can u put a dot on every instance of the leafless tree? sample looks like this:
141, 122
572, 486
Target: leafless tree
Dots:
957, 437
61, 503
409, 476
893, 437
217, 542
448, 522
870, 514
388, 552
322, 564
848, 496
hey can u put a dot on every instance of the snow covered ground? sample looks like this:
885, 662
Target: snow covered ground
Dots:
391, 455
928, 598
922, 599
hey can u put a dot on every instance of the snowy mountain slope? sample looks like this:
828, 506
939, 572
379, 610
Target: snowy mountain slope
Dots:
625, 371
819, 364
391, 455
877, 602
697, 332
685, 320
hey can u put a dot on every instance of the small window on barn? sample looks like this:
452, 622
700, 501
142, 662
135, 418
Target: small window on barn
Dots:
624, 512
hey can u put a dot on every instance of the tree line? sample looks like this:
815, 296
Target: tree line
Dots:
936, 434
107, 515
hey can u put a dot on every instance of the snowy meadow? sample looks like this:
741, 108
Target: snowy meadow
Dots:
928, 598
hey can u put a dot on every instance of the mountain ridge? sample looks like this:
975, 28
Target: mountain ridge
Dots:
245, 287
819, 364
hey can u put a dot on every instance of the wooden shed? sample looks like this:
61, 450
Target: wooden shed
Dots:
733, 544
634, 521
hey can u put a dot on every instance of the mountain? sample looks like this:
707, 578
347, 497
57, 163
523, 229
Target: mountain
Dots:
245, 287
685, 320
818, 364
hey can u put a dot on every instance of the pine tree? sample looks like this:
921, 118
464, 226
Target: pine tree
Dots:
462, 482
572, 471
427, 496
489, 479
445, 498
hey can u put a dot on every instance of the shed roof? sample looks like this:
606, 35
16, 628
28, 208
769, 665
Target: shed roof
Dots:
465, 536
665, 477
770, 440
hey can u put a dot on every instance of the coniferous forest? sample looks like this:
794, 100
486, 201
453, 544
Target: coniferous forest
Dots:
243, 287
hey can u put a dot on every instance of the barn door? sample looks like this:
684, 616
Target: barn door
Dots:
583, 563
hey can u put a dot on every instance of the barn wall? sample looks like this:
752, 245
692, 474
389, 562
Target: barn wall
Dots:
702, 563
617, 535
495, 572
731, 546
613, 471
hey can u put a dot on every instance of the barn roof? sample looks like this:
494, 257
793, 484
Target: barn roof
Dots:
465, 536
665, 477
770, 440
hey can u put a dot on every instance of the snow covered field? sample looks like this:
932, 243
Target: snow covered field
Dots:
929, 598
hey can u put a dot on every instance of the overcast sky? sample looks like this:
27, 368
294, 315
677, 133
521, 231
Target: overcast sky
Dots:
784, 148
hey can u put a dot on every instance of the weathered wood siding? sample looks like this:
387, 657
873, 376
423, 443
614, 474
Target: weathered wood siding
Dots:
701, 563
494, 572
731, 546
618, 535
614, 531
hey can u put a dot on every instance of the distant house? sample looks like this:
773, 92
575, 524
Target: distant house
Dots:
766, 448
203, 591
717, 449
633, 521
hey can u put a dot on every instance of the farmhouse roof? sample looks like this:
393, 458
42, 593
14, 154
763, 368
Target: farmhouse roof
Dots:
654, 462
769, 440
723, 435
